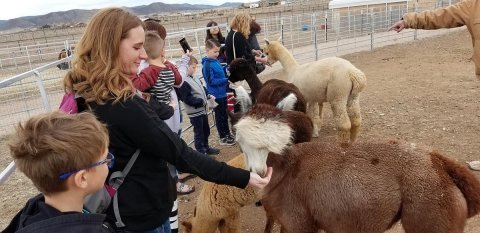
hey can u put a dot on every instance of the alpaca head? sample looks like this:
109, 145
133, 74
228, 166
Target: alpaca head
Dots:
262, 130
240, 69
272, 50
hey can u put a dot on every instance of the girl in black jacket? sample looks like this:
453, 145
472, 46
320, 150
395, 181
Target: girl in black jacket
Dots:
108, 53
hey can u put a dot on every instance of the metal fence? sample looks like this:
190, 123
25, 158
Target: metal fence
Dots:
308, 36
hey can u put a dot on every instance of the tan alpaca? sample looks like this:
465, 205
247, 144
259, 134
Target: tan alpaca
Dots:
334, 80
218, 206
365, 188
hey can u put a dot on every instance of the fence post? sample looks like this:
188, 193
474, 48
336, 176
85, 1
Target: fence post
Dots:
372, 30
415, 31
281, 30
198, 44
43, 93
326, 26
28, 57
314, 22
7, 172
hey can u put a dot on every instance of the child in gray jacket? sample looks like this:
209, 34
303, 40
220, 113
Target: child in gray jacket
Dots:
195, 98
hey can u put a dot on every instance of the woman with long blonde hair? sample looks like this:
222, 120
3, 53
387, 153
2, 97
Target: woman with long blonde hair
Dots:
236, 43
108, 53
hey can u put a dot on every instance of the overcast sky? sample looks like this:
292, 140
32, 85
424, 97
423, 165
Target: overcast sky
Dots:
18, 8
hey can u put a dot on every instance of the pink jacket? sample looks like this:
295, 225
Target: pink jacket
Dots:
466, 12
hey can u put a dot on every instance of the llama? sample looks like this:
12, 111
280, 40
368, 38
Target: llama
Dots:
334, 80
366, 187
285, 96
271, 92
218, 206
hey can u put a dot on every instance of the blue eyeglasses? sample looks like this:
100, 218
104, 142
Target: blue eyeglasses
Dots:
109, 161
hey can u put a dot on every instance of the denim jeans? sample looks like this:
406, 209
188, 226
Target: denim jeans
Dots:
221, 117
164, 228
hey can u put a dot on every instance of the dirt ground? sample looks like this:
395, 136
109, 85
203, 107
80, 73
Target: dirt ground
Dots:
423, 92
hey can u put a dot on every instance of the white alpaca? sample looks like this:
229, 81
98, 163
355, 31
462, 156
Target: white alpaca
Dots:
334, 80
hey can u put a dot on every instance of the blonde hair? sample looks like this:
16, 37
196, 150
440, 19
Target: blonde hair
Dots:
50, 144
192, 61
153, 44
241, 23
98, 74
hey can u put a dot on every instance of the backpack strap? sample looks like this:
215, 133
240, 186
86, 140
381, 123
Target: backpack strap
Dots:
234, 53
115, 180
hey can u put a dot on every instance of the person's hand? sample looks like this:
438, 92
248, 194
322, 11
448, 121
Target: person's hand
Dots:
398, 26
211, 97
189, 52
257, 52
172, 104
258, 182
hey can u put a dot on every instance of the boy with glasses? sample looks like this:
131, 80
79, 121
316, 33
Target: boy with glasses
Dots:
66, 157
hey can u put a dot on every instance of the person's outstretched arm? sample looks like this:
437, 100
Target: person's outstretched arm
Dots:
449, 17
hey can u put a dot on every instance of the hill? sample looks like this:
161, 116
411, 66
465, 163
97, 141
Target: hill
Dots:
75, 16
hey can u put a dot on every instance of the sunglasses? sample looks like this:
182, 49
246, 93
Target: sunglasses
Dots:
109, 161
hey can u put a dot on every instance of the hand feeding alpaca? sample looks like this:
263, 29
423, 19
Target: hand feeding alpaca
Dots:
334, 80
218, 206
366, 187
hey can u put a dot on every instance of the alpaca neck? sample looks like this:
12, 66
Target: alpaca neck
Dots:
288, 61
255, 86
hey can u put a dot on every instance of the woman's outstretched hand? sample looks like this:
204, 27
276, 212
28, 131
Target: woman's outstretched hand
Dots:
398, 26
258, 182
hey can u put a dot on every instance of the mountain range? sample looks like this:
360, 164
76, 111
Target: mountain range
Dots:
82, 16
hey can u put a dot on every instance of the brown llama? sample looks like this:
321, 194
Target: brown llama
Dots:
334, 80
285, 96
218, 206
366, 187
270, 92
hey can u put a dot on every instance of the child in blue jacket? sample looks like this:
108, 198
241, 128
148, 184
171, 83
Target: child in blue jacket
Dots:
217, 86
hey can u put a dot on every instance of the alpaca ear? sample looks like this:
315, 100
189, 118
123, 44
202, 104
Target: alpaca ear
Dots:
267, 41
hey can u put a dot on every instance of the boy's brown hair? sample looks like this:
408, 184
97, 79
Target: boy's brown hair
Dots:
153, 44
192, 61
50, 144
211, 43
153, 25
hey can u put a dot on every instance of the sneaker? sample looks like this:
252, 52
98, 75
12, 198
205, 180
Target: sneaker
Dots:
212, 151
226, 141
231, 137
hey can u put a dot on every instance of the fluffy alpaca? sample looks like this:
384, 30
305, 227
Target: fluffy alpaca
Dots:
271, 92
218, 206
334, 80
366, 187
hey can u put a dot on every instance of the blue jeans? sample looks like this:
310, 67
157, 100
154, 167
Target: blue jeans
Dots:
221, 117
164, 228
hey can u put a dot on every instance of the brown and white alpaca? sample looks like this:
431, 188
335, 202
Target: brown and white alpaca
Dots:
272, 92
366, 187
334, 80
218, 206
